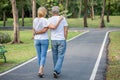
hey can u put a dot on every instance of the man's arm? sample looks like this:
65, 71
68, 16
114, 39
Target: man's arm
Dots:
65, 31
55, 26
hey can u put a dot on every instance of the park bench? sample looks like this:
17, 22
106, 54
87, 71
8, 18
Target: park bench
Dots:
2, 52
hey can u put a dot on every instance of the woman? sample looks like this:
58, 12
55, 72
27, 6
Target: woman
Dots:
41, 42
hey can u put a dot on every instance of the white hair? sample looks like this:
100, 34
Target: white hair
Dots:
55, 10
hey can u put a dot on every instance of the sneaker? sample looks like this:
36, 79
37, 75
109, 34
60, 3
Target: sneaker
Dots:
55, 74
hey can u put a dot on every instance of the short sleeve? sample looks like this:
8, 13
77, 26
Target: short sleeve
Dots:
46, 23
34, 23
65, 22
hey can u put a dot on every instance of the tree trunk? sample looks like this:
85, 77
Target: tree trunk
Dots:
33, 9
108, 12
23, 17
66, 5
85, 13
80, 6
66, 8
102, 23
15, 24
4, 18
60, 1
92, 10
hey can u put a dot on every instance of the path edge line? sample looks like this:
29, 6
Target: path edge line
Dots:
78, 35
95, 69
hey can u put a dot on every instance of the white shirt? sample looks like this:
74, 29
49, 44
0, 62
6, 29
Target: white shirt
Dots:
58, 33
39, 24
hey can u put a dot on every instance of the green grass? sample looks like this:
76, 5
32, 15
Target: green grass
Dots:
74, 22
78, 22
19, 53
113, 70
9, 22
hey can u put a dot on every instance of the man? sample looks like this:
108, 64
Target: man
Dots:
58, 40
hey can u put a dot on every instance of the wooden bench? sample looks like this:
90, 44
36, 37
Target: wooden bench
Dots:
2, 53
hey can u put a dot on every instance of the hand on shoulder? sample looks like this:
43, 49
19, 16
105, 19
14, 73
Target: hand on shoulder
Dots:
61, 18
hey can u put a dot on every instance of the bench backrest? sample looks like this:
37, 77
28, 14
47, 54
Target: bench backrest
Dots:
2, 49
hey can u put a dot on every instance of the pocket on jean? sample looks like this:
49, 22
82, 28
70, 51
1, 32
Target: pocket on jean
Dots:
63, 42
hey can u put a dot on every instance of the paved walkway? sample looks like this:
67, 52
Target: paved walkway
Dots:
80, 59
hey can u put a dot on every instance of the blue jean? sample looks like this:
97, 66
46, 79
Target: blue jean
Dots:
58, 52
41, 50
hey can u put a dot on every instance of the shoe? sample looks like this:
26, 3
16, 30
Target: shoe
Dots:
40, 75
55, 74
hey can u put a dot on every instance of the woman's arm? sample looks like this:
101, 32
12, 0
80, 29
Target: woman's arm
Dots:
33, 31
55, 26
41, 31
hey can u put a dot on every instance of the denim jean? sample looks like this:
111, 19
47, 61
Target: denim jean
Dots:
58, 52
41, 50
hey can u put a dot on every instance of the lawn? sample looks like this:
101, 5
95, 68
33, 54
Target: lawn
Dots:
78, 22
74, 22
19, 53
113, 69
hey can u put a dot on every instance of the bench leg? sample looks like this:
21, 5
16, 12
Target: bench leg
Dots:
4, 58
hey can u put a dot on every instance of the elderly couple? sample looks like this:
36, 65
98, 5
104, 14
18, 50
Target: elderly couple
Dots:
58, 28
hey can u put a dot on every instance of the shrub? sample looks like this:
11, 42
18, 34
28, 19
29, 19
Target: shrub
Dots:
4, 37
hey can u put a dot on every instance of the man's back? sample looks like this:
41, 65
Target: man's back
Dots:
58, 33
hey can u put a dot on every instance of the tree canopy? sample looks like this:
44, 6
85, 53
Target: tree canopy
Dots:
75, 8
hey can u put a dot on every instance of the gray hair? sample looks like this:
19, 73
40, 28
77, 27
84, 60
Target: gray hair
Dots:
55, 10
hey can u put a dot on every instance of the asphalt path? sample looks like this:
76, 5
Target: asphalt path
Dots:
80, 59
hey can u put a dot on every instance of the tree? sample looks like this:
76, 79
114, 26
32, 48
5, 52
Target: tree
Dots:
21, 9
92, 9
66, 5
85, 13
15, 23
108, 11
102, 23
33, 9
4, 15
4, 7
73, 7
80, 6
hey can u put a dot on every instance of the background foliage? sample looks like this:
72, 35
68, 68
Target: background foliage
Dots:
72, 8
4, 37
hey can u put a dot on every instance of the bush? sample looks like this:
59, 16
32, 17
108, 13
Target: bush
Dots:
4, 37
